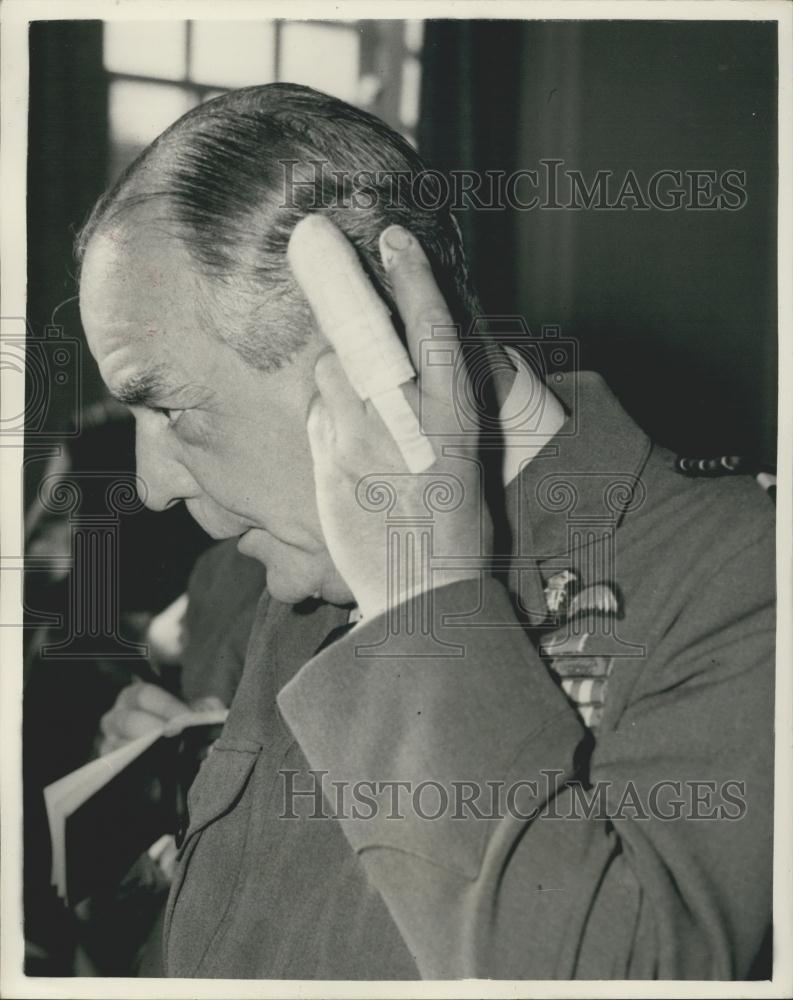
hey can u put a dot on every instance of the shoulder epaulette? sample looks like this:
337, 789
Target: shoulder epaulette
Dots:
729, 465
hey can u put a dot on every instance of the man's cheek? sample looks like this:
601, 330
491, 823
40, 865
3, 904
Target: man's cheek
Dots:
194, 435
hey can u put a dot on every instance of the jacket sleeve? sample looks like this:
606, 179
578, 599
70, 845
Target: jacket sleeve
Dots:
667, 876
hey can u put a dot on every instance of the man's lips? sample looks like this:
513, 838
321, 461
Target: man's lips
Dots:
226, 529
221, 534
243, 543
234, 526
256, 536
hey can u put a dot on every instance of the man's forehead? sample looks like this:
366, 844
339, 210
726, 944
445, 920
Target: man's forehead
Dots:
133, 286
120, 264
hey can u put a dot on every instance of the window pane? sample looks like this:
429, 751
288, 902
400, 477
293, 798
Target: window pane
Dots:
323, 56
409, 98
414, 35
146, 48
140, 111
232, 54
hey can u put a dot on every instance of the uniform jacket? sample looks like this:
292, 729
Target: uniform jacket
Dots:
659, 692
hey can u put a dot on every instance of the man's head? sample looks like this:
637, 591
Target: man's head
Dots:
195, 320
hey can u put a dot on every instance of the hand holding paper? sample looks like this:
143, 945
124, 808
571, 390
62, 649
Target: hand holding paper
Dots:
141, 709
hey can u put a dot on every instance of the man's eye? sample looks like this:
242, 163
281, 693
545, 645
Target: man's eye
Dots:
170, 415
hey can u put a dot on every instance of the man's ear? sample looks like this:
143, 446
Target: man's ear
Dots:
316, 341
298, 314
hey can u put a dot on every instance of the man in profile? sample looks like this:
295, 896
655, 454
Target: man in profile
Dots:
542, 750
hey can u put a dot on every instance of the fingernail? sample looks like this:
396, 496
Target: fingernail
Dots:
393, 241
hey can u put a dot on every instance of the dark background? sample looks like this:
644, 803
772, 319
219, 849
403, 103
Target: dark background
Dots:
676, 309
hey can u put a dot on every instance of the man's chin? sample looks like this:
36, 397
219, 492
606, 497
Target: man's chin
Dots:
289, 590
293, 574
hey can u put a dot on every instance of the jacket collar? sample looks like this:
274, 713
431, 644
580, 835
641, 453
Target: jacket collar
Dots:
588, 474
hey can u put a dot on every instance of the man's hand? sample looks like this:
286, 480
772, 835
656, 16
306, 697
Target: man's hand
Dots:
353, 450
139, 709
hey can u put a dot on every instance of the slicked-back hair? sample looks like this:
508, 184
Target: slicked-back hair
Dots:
231, 179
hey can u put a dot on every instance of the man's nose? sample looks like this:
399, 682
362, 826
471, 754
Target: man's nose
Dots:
162, 479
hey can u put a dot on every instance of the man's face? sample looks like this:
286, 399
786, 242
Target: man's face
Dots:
210, 430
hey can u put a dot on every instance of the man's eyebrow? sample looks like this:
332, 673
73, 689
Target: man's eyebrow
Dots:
143, 389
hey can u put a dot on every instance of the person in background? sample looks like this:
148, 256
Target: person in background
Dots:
72, 675
199, 643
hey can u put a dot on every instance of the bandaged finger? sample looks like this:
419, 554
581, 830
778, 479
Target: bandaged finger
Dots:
355, 320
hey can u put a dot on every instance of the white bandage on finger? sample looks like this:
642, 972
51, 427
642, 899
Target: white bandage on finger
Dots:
356, 322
